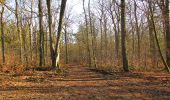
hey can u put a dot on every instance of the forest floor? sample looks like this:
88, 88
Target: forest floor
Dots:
82, 83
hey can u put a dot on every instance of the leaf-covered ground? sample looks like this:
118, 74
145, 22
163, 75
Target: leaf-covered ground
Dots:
81, 83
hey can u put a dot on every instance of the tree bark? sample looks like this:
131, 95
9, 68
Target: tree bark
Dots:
152, 42
167, 30
41, 38
137, 29
19, 31
87, 36
59, 34
2, 36
123, 37
93, 36
66, 45
53, 56
156, 38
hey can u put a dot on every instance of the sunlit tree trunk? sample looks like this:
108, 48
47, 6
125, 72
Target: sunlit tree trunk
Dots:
59, 34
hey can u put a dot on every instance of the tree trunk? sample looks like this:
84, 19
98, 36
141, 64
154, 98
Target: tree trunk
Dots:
41, 32
93, 39
137, 29
167, 30
152, 42
2, 36
53, 58
19, 31
87, 36
156, 38
66, 45
31, 31
59, 34
123, 37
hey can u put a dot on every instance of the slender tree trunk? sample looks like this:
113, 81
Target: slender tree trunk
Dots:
41, 32
152, 42
24, 35
19, 31
101, 41
87, 36
156, 38
2, 36
91, 32
35, 44
94, 45
116, 37
31, 31
57, 45
167, 29
133, 39
105, 37
123, 36
137, 29
25, 61
53, 55
66, 45
46, 45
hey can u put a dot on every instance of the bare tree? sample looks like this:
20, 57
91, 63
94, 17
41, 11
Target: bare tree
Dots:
2, 36
93, 35
123, 36
55, 51
87, 35
19, 31
53, 56
156, 37
167, 29
59, 34
137, 29
41, 32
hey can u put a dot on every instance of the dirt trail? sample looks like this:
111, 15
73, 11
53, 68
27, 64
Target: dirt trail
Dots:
81, 83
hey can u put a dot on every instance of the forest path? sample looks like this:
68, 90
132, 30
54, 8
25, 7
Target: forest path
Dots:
82, 83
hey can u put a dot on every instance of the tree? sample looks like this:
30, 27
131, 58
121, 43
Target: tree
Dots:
2, 36
53, 56
30, 23
123, 36
59, 34
167, 29
156, 37
137, 29
41, 32
87, 36
66, 44
93, 36
55, 52
152, 42
112, 9
19, 31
